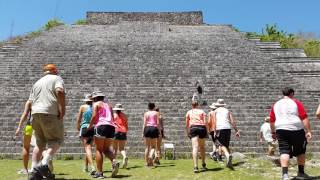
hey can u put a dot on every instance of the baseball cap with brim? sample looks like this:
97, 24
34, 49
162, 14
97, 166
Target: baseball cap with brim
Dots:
118, 107
220, 103
87, 98
97, 94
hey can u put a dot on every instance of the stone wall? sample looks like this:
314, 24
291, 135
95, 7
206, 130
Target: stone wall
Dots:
177, 18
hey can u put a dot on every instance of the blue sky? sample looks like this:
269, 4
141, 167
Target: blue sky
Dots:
22, 16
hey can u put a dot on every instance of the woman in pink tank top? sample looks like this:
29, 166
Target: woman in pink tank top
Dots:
104, 129
150, 132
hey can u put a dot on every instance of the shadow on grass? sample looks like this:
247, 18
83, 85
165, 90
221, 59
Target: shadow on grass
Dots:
133, 167
311, 177
214, 169
165, 165
61, 174
122, 176
238, 163
70, 179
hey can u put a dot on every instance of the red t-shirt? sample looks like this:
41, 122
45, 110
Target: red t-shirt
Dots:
121, 122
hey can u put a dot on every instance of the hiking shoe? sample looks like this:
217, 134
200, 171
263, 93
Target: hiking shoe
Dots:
195, 170
213, 156
98, 175
219, 158
125, 163
204, 166
303, 176
43, 170
229, 162
157, 162
285, 177
35, 175
23, 171
115, 169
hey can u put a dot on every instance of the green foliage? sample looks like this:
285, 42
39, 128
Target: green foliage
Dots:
81, 22
52, 23
312, 48
272, 33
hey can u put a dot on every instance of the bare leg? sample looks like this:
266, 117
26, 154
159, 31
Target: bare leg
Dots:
122, 144
202, 150
195, 148
25, 151
99, 153
116, 147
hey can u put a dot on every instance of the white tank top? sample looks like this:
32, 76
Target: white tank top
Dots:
222, 118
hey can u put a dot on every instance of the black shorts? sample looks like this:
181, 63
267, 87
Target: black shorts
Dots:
293, 143
151, 132
85, 132
120, 136
200, 131
213, 137
104, 131
222, 137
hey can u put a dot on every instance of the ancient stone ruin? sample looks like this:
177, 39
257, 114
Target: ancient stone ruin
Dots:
136, 58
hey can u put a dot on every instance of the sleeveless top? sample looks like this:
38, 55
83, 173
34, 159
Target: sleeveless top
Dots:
152, 118
222, 118
86, 117
104, 116
120, 122
196, 117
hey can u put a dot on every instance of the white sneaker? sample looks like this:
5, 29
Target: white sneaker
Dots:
285, 177
23, 171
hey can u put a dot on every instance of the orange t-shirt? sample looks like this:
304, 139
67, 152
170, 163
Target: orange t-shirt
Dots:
121, 122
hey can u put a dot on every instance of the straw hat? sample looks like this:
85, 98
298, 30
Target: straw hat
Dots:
87, 98
220, 103
213, 106
118, 107
97, 94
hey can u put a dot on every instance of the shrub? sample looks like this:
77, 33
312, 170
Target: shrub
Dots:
81, 22
52, 23
312, 48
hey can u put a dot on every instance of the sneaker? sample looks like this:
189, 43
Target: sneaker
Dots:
115, 169
92, 171
34, 175
125, 163
43, 170
195, 170
219, 158
204, 166
303, 176
23, 171
157, 162
229, 162
213, 156
98, 175
285, 177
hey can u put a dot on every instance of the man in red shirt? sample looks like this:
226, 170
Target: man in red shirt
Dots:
290, 125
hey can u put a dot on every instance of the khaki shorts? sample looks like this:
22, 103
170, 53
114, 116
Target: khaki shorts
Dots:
272, 146
48, 129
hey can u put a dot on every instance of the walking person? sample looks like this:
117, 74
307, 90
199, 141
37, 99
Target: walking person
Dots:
265, 133
159, 140
27, 134
86, 134
290, 125
120, 138
222, 122
104, 128
197, 128
215, 148
48, 109
151, 132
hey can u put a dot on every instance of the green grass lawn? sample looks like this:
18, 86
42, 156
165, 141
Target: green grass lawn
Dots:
169, 169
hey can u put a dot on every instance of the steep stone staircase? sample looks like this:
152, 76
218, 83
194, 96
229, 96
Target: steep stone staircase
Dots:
137, 62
